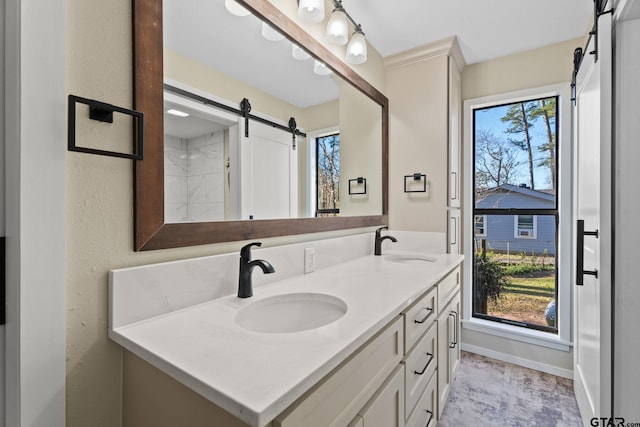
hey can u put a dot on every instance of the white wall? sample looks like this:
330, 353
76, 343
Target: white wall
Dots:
35, 202
2, 205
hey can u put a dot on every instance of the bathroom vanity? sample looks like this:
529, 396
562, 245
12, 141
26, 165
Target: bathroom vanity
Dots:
374, 340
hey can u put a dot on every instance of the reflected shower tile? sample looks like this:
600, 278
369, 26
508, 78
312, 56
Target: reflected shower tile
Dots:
175, 160
206, 211
205, 159
196, 187
175, 189
214, 183
175, 212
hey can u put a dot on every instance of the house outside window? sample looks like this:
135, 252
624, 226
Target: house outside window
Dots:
515, 182
525, 226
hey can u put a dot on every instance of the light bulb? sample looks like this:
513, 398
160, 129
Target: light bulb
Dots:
311, 10
337, 31
299, 53
270, 34
235, 8
321, 69
357, 49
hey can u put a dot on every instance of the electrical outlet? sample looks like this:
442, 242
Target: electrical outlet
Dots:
309, 260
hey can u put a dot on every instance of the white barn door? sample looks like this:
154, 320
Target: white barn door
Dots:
268, 173
592, 293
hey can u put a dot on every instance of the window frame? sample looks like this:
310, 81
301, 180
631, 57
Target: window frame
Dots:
484, 226
516, 227
561, 340
316, 141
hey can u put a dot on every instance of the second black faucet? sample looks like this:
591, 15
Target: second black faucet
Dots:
380, 239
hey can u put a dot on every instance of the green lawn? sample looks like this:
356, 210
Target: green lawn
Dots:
525, 298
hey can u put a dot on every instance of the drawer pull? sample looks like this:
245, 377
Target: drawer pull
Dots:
430, 417
429, 313
425, 366
454, 343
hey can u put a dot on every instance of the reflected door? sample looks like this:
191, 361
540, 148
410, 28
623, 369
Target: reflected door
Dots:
268, 183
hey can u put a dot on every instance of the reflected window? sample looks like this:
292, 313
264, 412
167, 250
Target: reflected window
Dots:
480, 227
328, 175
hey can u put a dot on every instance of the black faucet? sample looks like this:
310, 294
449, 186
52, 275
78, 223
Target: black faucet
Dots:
245, 286
380, 239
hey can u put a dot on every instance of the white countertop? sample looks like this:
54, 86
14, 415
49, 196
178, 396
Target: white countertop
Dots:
255, 376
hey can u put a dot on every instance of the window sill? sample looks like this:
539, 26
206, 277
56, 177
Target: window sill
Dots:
539, 338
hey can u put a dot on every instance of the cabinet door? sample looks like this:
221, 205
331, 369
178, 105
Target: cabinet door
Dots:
453, 231
444, 379
455, 113
454, 332
386, 407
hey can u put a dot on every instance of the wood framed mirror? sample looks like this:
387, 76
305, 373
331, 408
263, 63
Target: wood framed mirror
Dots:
151, 230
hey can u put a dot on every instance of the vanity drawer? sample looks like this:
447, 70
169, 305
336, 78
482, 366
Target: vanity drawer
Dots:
448, 286
338, 397
419, 317
420, 365
424, 415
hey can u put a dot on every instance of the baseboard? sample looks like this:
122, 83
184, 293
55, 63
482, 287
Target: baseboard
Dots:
520, 361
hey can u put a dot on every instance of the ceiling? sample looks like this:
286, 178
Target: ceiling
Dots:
486, 29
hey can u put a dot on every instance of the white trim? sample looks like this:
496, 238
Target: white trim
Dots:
526, 363
35, 212
517, 333
564, 255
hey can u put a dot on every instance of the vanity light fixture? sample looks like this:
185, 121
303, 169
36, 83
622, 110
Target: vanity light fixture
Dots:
337, 31
321, 69
235, 8
299, 53
311, 10
270, 34
177, 113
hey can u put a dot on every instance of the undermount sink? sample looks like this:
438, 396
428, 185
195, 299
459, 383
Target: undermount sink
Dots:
409, 259
291, 313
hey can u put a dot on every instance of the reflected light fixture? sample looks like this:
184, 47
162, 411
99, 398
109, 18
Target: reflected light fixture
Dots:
357, 49
311, 10
177, 113
270, 34
299, 53
321, 69
235, 8
337, 31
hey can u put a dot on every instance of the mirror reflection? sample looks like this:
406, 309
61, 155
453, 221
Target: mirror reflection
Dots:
214, 171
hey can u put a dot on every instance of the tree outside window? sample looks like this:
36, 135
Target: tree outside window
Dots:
328, 175
515, 190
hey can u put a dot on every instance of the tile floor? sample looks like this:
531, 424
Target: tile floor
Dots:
488, 392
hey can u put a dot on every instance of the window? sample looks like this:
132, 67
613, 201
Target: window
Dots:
525, 226
515, 180
480, 226
328, 175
